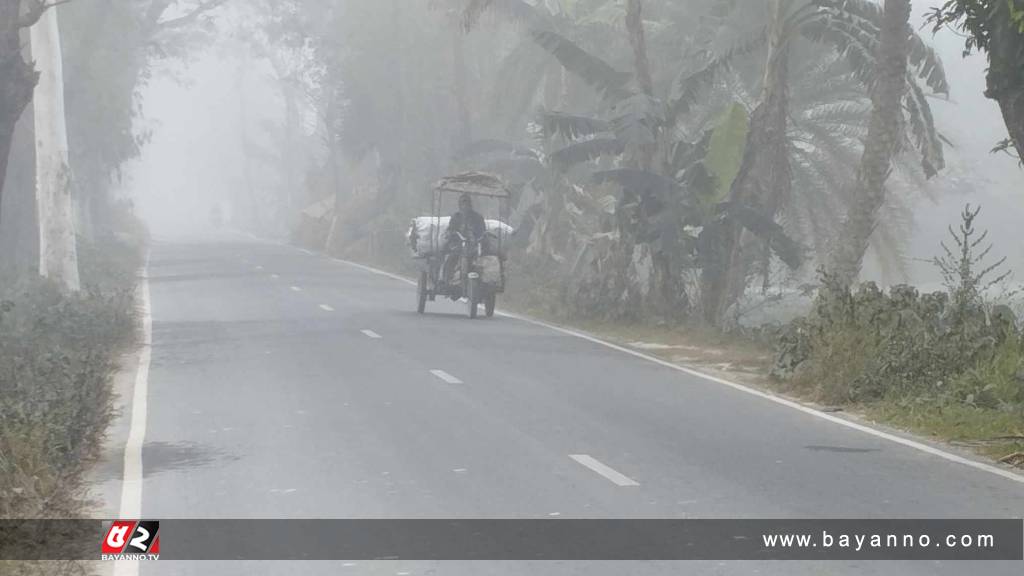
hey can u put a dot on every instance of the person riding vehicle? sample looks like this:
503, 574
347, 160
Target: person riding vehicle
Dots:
470, 225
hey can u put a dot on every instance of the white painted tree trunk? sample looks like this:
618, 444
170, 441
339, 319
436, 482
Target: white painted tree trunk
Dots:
58, 257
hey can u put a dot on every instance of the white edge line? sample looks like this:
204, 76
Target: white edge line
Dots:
1009, 475
446, 377
609, 473
131, 483
371, 334
785, 402
376, 271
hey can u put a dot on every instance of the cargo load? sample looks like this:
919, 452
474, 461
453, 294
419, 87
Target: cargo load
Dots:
427, 234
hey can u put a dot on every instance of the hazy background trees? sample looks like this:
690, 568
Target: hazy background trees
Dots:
670, 159
68, 148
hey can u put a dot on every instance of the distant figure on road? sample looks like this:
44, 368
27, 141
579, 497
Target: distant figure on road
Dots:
467, 222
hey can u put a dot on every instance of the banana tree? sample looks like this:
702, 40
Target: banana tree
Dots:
631, 121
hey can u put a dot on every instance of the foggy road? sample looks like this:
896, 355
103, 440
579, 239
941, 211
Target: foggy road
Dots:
286, 384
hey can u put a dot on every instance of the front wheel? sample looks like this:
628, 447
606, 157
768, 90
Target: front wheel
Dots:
473, 296
489, 304
421, 293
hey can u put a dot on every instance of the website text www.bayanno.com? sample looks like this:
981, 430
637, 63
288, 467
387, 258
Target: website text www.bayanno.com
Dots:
859, 542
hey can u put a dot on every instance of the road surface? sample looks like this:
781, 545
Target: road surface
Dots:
285, 384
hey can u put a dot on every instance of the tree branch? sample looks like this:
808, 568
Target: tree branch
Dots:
34, 11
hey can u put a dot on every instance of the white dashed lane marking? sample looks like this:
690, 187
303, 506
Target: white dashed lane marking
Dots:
326, 308
446, 376
371, 334
614, 476
296, 289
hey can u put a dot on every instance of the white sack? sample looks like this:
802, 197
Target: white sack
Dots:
427, 233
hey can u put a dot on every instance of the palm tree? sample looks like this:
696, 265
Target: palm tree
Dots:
882, 143
631, 121
765, 178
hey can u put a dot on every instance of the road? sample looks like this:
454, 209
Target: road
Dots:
285, 384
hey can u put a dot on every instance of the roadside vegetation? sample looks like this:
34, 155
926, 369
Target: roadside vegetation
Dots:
949, 363
70, 249
58, 354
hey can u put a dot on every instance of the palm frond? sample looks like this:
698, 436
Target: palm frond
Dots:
689, 85
586, 151
571, 126
922, 127
595, 72
862, 20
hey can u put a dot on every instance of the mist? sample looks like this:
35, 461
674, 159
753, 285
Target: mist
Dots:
512, 287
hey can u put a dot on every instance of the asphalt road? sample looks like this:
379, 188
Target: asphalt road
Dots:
285, 384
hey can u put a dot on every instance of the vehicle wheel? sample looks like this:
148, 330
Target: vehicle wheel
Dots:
473, 296
421, 293
489, 304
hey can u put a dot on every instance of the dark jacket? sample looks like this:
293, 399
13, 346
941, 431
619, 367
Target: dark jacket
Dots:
472, 226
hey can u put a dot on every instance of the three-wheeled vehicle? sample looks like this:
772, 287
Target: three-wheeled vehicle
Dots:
477, 273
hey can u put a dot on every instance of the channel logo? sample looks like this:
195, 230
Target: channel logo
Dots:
131, 540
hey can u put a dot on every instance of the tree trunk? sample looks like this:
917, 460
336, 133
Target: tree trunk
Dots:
19, 234
17, 80
1011, 103
882, 144
1005, 78
638, 41
58, 258
764, 179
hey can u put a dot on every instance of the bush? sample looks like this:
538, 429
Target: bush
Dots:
57, 353
943, 348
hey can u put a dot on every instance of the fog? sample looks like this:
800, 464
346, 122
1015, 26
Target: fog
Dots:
538, 285
198, 111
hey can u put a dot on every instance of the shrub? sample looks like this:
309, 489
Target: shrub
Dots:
57, 353
947, 347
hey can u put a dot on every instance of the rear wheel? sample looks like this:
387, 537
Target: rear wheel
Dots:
473, 296
421, 293
489, 304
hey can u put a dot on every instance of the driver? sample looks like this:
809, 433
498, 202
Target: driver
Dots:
467, 222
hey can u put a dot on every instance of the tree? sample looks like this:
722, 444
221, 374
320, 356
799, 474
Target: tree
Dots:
882, 143
58, 257
995, 27
765, 177
633, 124
17, 78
